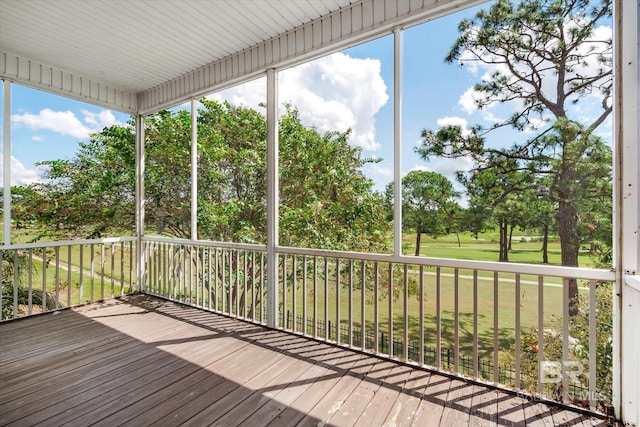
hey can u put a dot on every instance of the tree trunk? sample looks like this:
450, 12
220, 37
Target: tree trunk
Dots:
458, 237
418, 238
509, 248
569, 246
504, 247
545, 244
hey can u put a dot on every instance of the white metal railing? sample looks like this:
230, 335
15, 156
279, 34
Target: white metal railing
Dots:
227, 278
505, 323
47, 276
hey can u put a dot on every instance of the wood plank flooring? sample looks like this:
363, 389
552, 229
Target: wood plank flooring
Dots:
142, 361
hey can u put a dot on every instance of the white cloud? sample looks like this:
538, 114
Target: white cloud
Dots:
381, 170
336, 92
19, 174
65, 122
99, 120
37, 138
468, 101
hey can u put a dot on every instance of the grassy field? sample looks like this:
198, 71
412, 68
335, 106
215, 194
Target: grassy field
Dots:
525, 248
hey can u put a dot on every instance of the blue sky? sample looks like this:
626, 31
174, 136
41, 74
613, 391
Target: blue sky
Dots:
351, 89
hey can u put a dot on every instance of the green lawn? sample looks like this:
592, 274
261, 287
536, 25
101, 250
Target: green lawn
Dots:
525, 249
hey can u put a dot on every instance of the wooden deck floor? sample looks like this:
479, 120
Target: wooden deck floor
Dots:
143, 361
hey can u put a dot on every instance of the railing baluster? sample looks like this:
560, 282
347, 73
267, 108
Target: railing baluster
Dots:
496, 377
253, 285
57, 255
209, 278
81, 285
475, 323
217, 279
565, 338
592, 345
327, 334
122, 268
69, 302
237, 281
338, 301
132, 268
186, 276
168, 269
113, 289
540, 332
315, 296
438, 321
456, 325
350, 326
30, 289
263, 303
196, 277
102, 261
16, 282
376, 324
244, 276
406, 313
294, 291
44, 279
285, 303
390, 313
93, 272
304, 296
421, 308
518, 339
229, 287
363, 306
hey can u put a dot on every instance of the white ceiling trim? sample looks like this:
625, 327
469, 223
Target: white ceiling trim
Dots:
356, 23
28, 72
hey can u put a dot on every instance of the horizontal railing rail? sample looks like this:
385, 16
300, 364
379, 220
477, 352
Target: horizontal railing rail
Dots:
515, 325
492, 266
48, 276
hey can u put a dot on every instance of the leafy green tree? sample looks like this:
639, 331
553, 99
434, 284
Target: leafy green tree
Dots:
326, 201
499, 196
547, 57
428, 200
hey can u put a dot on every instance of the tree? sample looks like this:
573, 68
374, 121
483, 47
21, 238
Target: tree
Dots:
92, 194
547, 57
488, 192
428, 200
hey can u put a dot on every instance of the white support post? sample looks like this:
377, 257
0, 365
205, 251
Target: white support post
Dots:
272, 198
6, 170
397, 142
140, 277
626, 342
194, 170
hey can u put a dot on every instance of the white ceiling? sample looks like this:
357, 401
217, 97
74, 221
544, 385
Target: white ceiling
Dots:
144, 55
139, 44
